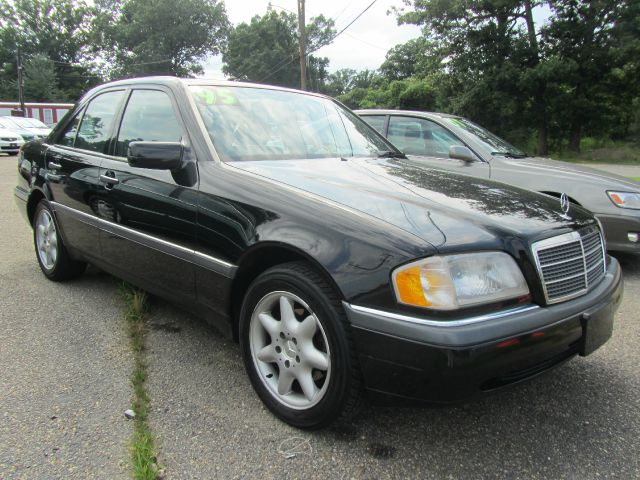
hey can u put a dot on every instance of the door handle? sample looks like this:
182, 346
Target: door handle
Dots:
55, 166
109, 180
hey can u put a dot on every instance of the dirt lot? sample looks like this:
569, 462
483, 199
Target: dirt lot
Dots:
64, 366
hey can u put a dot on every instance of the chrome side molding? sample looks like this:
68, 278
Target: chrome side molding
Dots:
441, 323
195, 257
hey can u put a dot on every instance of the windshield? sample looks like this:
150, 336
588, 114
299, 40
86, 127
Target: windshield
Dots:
37, 123
250, 123
493, 143
23, 122
8, 124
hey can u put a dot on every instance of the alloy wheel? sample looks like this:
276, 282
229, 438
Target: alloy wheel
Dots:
290, 350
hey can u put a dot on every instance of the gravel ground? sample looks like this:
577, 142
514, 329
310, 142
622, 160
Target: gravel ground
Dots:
64, 364
579, 421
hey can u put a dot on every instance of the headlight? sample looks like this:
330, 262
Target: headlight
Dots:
456, 281
625, 199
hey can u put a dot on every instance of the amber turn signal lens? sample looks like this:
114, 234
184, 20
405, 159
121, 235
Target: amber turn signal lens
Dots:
409, 287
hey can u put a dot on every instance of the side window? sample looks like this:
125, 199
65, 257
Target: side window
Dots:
417, 136
149, 117
69, 135
376, 121
95, 128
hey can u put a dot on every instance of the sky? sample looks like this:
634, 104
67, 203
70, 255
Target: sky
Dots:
363, 45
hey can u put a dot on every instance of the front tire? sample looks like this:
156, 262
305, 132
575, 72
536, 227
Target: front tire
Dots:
297, 349
53, 258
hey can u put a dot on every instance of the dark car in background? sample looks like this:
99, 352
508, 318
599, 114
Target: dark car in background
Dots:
290, 224
456, 144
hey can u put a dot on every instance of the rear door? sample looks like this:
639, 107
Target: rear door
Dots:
151, 214
427, 143
72, 163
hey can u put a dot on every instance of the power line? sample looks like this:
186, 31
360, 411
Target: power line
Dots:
318, 47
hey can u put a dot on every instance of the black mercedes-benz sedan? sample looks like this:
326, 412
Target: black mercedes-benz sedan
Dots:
297, 229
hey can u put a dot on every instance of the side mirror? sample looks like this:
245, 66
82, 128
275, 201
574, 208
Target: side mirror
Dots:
155, 155
461, 153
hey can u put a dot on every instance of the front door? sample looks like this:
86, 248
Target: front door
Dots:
150, 234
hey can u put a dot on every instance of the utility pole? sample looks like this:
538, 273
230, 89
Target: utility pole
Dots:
20, 83
302, 38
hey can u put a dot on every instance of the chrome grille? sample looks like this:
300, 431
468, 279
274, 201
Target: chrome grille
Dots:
570, 264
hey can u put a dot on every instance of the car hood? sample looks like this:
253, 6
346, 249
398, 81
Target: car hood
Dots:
442, 208
569, 171
9, 133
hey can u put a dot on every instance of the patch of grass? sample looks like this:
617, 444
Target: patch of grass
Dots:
637, 179
143, 451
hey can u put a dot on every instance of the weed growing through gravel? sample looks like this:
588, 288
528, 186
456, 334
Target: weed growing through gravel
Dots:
143, 454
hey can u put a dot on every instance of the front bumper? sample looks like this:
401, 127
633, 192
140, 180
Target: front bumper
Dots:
440, 362
616, 229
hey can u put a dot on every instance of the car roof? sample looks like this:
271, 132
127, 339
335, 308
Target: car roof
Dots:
174, 81
379, 111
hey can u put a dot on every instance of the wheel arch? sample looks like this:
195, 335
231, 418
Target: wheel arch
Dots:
260, 258
35, 197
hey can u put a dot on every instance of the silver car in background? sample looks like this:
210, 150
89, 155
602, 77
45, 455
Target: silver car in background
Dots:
454, 143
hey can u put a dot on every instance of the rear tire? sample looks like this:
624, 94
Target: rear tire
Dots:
53, 258
297, 349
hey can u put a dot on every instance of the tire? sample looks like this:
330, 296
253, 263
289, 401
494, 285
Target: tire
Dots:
297, 347
53, 258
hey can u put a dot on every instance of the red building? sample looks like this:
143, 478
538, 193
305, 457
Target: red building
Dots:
48, 113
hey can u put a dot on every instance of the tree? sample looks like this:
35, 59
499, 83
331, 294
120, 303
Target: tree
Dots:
54, 30
265, 50
40, 80
416, 57
488, 46
597, 63
159, 36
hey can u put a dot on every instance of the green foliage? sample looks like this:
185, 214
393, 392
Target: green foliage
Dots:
266, 50
46, 29
407, 94
40, 80
159, 36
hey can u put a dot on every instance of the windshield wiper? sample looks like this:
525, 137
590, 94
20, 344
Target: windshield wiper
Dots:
391, 154
511, 154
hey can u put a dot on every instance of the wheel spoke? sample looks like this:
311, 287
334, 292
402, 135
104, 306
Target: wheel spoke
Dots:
53, 254
305, 379
315, 358
287, 316
270, 324
307, 328
284, 381
267, 354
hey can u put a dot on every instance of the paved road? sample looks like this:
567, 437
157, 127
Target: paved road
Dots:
579, 421
64, 364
